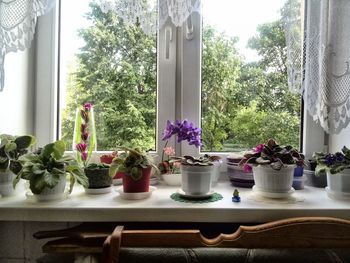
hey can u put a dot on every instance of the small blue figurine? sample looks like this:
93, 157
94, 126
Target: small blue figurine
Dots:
236, 198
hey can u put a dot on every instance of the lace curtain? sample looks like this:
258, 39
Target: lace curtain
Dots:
17, 25
146, 12
327, 57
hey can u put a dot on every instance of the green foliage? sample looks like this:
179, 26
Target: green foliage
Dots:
242, 103
116, 71
11, 148
94, 166
131, 163
200, 161
333, 163
45, 167
252, 126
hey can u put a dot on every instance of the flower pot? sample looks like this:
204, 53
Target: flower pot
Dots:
6, 179
319, 181
172, 179
57, 192
339, 184
139, 186
216, 173
98, 178
107, 159
196, 180
269, 180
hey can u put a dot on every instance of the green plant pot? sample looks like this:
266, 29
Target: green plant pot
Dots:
98, 178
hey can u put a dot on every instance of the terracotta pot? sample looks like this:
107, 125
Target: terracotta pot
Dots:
139, 186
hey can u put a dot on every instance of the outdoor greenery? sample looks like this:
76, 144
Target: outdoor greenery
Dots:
243, 104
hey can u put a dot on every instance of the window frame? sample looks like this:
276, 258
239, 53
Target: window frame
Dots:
178, 77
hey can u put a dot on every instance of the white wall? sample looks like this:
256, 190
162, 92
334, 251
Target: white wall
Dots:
336, 142
16, 100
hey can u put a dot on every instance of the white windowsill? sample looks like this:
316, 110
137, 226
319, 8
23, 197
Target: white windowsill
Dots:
80, 207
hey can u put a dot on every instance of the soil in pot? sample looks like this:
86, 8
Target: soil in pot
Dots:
138, 186
98, 178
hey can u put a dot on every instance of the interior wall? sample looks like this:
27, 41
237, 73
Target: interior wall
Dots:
336, 142
16, 100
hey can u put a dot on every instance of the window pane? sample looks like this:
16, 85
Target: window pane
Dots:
245, 96
113, 66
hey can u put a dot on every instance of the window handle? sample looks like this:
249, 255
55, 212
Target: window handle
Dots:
168, 39
189, 28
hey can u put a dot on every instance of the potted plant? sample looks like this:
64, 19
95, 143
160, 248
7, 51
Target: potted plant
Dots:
46, 171
98, 176
11, 148
170, 168
194, 171
107, 159
337, 167
197, 175
136, 167
273, 167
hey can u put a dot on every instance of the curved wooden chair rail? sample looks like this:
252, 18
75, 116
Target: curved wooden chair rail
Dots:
304, 232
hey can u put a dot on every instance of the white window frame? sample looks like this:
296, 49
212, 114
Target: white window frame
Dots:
179, 76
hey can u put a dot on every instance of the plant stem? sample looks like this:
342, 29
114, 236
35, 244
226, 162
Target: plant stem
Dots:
163, 150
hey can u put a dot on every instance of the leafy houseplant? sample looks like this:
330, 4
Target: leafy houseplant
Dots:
136, 167
337, 167
11, 148
46, 170
170, 168
273, 166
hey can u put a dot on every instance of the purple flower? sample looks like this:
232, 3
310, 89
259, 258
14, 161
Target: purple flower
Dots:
81, 147
339, 157
259, 148
87, 106
330, 159
84, 156
185, 131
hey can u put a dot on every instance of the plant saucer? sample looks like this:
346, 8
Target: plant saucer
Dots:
98, 191
276, 195
46, 198
135, 196
183, 194
337, 195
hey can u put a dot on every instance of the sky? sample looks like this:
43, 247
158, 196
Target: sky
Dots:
235, 17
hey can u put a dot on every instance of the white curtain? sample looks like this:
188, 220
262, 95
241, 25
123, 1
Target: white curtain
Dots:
327, 72
151, 14
17, 25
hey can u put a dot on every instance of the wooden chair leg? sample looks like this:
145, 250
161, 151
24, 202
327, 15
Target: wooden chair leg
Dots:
111, 246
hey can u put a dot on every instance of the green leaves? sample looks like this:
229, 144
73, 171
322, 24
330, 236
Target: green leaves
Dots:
55, 150
23, 142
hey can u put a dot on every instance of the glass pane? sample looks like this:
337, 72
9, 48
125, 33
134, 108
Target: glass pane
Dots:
114, 67
245, 96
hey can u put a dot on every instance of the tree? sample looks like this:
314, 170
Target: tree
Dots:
116, 72
220, 71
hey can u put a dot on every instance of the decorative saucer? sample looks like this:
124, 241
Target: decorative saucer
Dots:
135, 196
183, 194
98, 191
273, 195
46, 198
337, 195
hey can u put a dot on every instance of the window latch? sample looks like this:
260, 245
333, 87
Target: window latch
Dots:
189, 28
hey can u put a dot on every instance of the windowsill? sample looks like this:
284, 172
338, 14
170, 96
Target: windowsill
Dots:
80, 207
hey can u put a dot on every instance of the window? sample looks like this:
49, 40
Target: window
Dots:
220, 78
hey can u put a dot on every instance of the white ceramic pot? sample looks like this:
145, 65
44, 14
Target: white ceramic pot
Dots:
57, 192
6, 179
196, 180
340, 182
267, 179
172, 179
